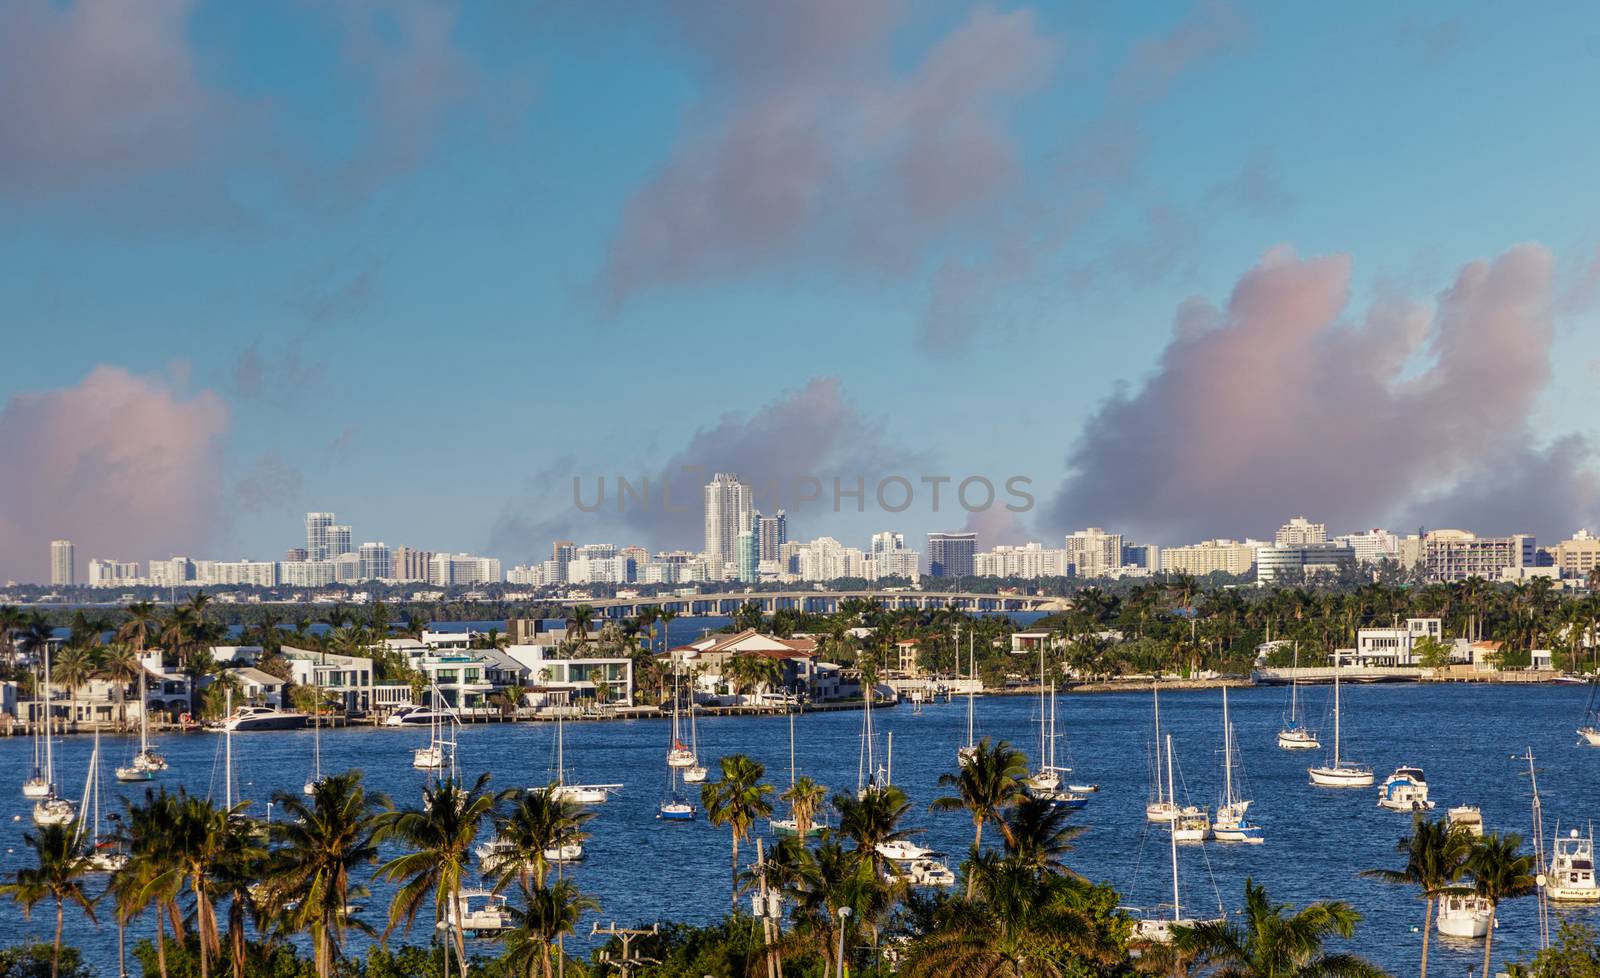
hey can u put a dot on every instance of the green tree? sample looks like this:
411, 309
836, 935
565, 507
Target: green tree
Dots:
804, 798
1500, 871
737, 801
1431, 652
318, 845
1038, 834
1436, 856
988, 782
551, 912
537, 821
60, 864
1276, 941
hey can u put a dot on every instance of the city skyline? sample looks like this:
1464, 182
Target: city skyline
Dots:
1173, 265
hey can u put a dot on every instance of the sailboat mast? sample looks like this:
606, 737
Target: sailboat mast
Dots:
1336, 710
1227, 752
1160, 788
1294, 688
972, 679
1043, 745
791, 748
1052, 725
49, 747
1172, 837
227, 749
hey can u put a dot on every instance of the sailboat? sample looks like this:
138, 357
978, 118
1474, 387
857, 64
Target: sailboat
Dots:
51, 810
103, 853
432, 757
38, 786
1046, 783
696, 774
1045, 777
1231, 824
676, 807
869, 776
147, 761
1160, 808
791, 826
1340, 774
1590, 731
316, 746
1159, 930
1294, 736
969, 750
582, 794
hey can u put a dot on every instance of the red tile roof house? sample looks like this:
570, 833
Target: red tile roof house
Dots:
796, 658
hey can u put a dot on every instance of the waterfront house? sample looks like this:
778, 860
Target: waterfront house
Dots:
256, 688
710, 656
1395, 645
346, 678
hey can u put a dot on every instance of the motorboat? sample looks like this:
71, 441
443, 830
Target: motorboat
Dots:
1464, 915
1571, 878
1468, 818
1192, 825
903, 850
477, 911
252, 718
1295, 735
925, 873
1083, 789
1068, 799
1406, 790
415, 716
1341, 773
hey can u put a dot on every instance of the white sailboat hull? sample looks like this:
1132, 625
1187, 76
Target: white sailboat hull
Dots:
1340, 777
1297, 740
55, 811
1591, 735
427, 758
1466, 916
582, 794
695, 775
36, 789
1160, 811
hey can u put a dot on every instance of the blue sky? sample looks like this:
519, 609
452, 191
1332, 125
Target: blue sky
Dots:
427, 261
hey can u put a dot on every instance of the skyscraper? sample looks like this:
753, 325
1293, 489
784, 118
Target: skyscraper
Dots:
772, 532
317, 525
61, 563
339, 541
376, 562
1094, 552
950, 554
748, 564
729, 509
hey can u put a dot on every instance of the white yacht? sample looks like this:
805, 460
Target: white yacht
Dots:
251, 718
1295, 735
1340, 774
1464, 915
415, 716
1571, 876
1468, 818
41, 785
148, 762
1231, 824
1193, 824
927, 873
492, 852
1406, 790
476, 911
580, 794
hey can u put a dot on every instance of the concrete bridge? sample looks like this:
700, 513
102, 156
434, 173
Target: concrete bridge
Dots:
817, 602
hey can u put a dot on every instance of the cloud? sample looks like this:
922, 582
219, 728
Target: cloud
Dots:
279, 377
122, 465
94, 90
271, 484
1277, 404
813, 146
1254, 188
1212, 29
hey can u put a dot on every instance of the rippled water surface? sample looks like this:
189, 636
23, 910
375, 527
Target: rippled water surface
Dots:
1317, 839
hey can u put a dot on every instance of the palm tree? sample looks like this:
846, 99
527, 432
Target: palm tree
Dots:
61, 863
1038, 835
552, 912
199, 839
73, 667
140, 625
578, 621
989, 782
829, 879
1436, 855
237, 872
308, 883
1021, 925
737, 801
804, 798
1500, 871
440, 835
537, 822
151, 880
873, 820
119, 666
1275, 941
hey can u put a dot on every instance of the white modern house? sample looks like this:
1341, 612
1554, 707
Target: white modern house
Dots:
1395, 645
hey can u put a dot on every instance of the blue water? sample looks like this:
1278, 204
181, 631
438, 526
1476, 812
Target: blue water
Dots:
1317, 839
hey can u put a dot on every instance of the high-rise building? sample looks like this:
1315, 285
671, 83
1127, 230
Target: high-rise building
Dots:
1210, 557
887, 541
317, 526
407, 564
1297, 561
377, 563
1455, 555
1093, 552
445, 570
772, 532
1372, 546
950, 554
1031, 560
113, 573
729, 509
171, 572
1578, 555
62, 572
562, 552
1300, 532
339, 541
749, 562
294, 554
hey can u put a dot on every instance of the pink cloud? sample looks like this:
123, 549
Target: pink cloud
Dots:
812, 145
122, 465
1278, 402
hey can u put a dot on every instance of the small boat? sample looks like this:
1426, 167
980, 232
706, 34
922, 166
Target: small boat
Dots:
1294, 735
105, 855
41, 785
1568, 679
492, 852
1468, 818
578, 794
1464, 915
36, 787
1193, 824
903, 850
1160, 808
969, 750
415, 716
441, 750
1160, 930
696, 773
1406, 790
253, 718
477, 912
310, 787
1571, 877
791, 826
1231, 824
676, 810
924, 873
147, 762
54, 811
1069, 799
1083, 789
1339, 774
427, 758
